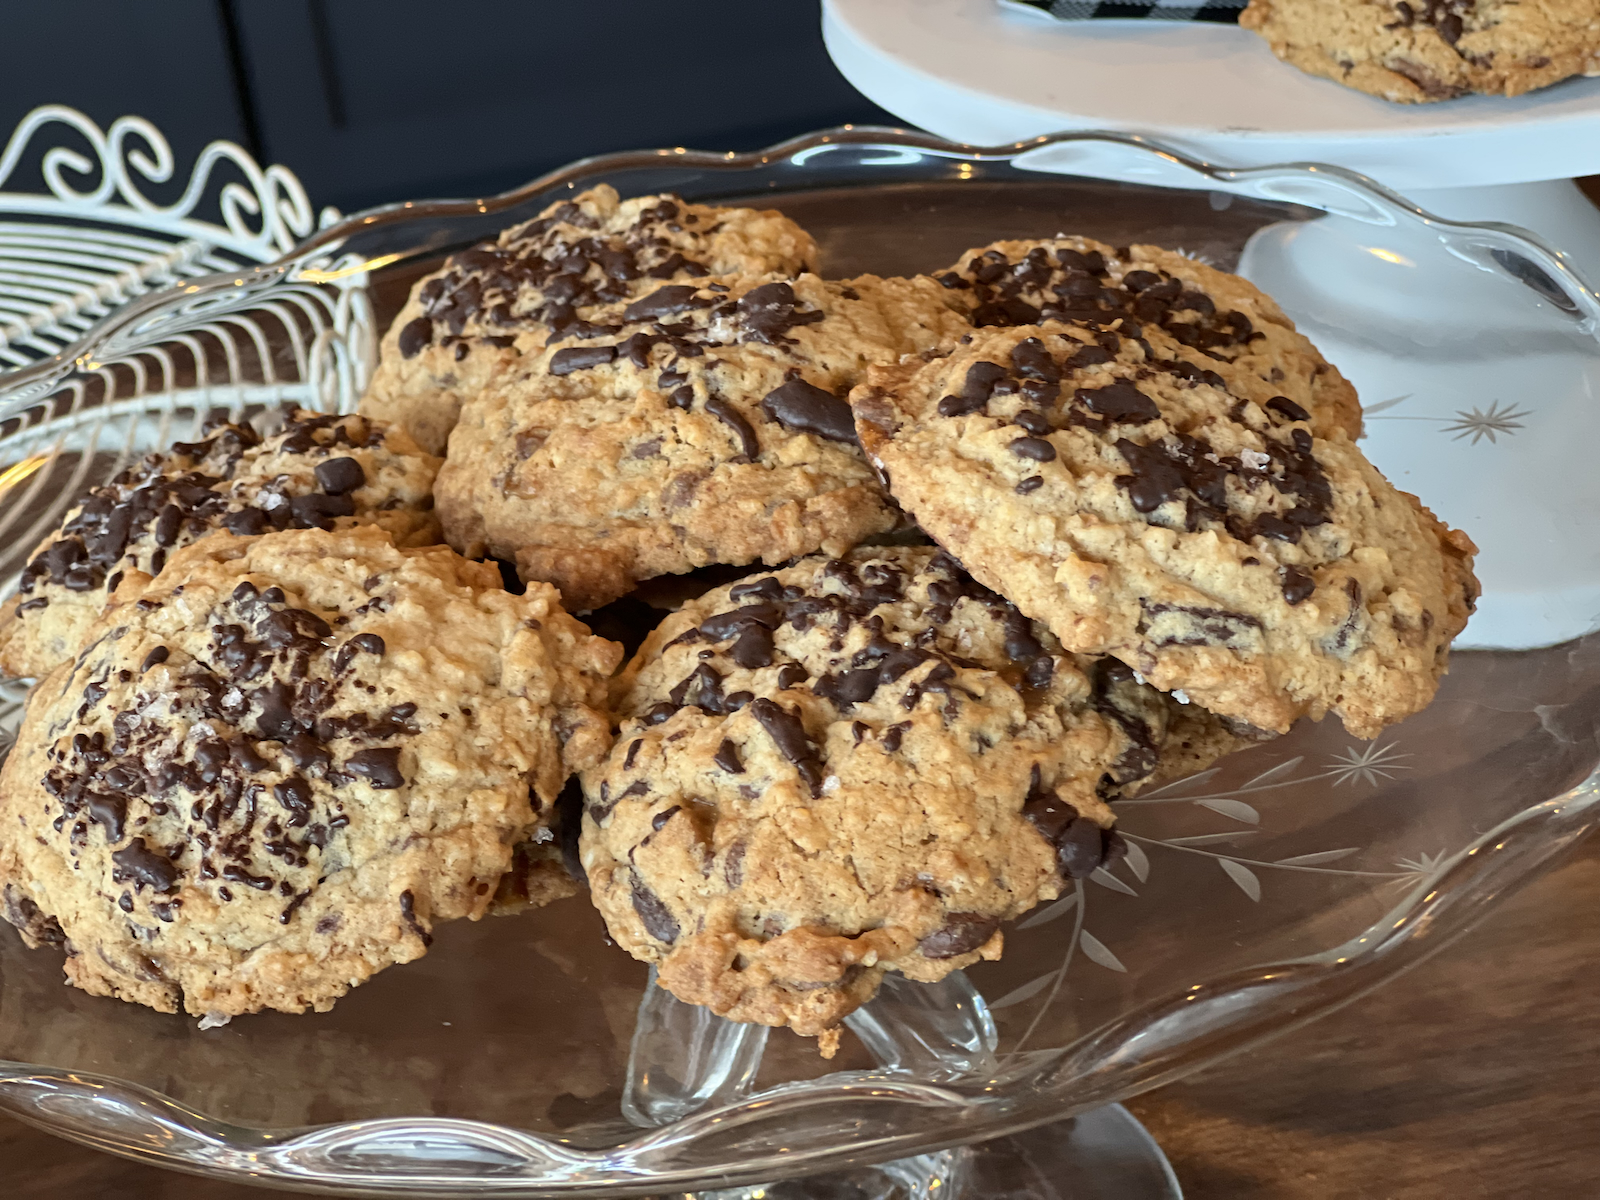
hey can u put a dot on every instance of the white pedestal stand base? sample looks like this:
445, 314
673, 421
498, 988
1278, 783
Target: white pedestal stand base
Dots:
1480, 397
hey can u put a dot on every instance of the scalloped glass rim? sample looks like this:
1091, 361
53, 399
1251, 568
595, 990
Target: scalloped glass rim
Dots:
1491, 245
1144, 1048
853, 1117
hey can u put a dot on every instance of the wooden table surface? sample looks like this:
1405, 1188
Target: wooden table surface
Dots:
1475, 1076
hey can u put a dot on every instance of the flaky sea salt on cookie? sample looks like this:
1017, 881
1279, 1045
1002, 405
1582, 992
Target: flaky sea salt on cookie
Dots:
1085, 282
707, 426
853, 766
473, 320
276, 767
316, 472
1147, 501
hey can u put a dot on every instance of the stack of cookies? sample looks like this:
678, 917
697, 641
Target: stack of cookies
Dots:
1019, 538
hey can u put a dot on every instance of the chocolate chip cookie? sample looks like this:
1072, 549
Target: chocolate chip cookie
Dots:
315, 472
475, 319
1148, 501
853, 766
1224, 317
708, 426
1417, 51
275, 767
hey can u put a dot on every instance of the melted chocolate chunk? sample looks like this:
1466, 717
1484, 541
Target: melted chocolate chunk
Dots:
156, 656
339, 476
768, 313
380, 766
362, 643
414, 335
1033, 448
657, 919
1156, 478
962, 933
247, 522
1081, 845
1288, 409
789, 735
849, 688
1119, 697
727, 758
1196, 625
1081, 848
318, 511
580, 358
806, 408
981, 381
1297, 585
754, 648
724, 411
143, 867
408, 912
1030, 360
1120, 402
667, 301
723, 626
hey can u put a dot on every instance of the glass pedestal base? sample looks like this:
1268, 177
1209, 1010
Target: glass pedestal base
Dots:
1102, 1155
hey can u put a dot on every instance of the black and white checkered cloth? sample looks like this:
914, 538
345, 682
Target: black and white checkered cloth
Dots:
1224, 11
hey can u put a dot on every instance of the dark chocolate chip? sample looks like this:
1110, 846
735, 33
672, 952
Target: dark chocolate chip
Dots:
142, 866
962, 933
380, 765
1119, 402
724, 411
414, 335
804, 407
1297, 585
408, 910
657, 919
789, 735
580, 358
1033, 448
664, 302
1288, 409
340, 476
727, 757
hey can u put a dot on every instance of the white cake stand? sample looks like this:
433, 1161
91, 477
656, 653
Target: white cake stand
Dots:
1473, 402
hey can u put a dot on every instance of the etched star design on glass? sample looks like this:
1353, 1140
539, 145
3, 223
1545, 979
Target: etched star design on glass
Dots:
1366, 764
1489, 424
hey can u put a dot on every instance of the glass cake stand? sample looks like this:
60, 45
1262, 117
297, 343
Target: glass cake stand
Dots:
528, 1056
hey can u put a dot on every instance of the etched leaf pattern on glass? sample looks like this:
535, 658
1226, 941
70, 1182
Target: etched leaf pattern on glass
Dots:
1356, 766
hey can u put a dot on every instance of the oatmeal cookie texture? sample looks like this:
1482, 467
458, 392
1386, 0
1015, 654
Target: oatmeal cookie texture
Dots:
1082, 281
851, 766
1417, 51
474, 320
1148, 501
708, 425
316, 472
277, 766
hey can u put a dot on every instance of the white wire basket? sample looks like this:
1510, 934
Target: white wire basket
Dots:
90, 243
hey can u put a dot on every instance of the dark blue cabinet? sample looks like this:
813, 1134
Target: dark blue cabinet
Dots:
375, 100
